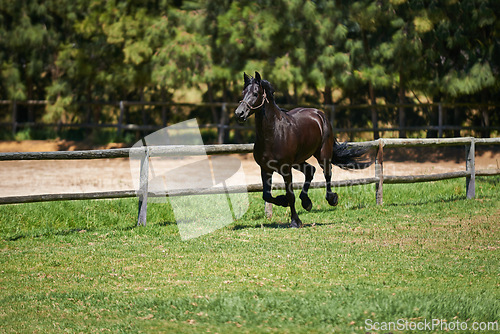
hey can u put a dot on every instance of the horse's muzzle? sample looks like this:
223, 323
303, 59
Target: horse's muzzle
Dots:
241, 113
241, 119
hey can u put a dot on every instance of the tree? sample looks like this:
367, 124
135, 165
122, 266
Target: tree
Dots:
321, 51
30, 36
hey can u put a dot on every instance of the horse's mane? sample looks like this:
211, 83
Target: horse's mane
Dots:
268, 88
270, 92
265, 84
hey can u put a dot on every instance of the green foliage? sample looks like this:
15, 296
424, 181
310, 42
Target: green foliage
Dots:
25, 134
11, 79
74, 51
478, 78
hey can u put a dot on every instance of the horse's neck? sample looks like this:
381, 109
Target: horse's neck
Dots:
266, 121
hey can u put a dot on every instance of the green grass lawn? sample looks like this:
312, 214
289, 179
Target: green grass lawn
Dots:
83, 266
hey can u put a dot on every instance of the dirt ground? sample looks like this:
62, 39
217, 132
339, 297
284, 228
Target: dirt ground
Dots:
76, 176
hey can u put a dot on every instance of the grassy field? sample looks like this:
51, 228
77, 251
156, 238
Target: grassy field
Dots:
427, 253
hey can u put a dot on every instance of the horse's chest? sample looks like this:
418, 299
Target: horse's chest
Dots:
262, 156
270, 156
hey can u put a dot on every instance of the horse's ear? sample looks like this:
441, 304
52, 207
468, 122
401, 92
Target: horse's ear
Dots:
257, 77
246, 78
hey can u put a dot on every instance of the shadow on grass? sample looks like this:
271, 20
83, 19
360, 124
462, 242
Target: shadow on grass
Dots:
240, 226
166, 223
272, 225
61, 232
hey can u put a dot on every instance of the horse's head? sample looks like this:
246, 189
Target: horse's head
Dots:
254, 97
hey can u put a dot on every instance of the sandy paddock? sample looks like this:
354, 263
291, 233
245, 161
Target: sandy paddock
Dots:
76, 176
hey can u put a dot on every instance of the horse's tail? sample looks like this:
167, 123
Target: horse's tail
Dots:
348, 157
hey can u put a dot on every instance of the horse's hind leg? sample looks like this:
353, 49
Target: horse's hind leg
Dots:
308, 171
331, 197
324, 157
326, 163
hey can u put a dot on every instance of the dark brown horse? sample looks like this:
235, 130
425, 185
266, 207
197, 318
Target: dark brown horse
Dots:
285, 140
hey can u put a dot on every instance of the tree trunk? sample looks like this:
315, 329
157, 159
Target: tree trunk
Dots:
164, 110
222, 133
371, 90
433, 120
215, 116
88, 111
486, 122
327, 95
143, 113
485, 117
373, 102
31, 111
350, 119
456, 121
401, 95
96, 119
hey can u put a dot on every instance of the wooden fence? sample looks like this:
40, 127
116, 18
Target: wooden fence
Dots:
223, 124
379, 179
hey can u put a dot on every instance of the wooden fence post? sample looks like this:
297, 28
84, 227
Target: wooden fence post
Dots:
14, 117
222, 124
143, 189
268, 210
470, 181
120, 119
332, 115
379, 173
402, 121
440, 120
164, 115
374, 112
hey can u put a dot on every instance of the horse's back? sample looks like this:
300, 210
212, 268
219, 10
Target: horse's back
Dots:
302, 110
306, 112
310, 129
310, 115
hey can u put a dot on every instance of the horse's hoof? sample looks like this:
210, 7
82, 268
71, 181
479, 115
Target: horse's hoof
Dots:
296, 224
332, 198
307, 204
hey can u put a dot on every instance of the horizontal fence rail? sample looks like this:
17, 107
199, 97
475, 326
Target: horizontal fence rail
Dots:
237, 189
154, 151
184, 150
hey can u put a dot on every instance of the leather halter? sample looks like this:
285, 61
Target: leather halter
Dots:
264, 100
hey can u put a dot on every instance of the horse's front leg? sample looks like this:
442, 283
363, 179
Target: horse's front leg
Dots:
308, 171
290, 196
267, 179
